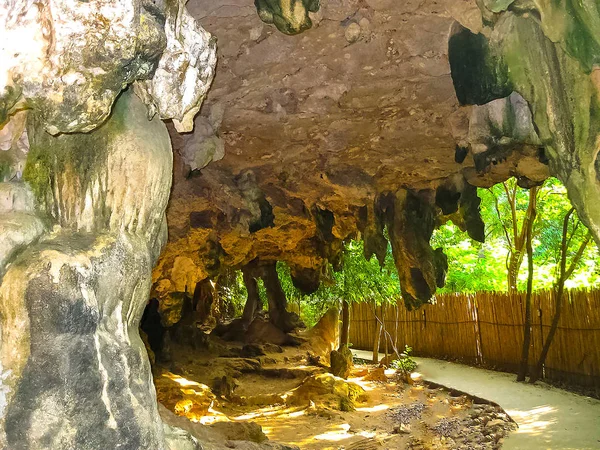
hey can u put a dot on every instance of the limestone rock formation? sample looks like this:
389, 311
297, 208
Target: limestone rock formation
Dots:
378, 122
80, 55
342, 392
341, 362
324, 336
357, 114
290, 17
82, 215
314, 135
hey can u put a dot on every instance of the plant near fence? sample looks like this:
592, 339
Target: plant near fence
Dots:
487, 329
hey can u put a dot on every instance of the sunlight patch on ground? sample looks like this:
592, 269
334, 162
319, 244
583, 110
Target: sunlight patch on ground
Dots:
531, 421
416, 376
214, 417
373, 408
366, 385
184, 381
280, 412
339, 433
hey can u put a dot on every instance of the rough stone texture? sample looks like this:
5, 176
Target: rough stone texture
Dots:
75, 373
290, 17
315, 130
14, 146
71, 348
210, 437
19, 225
325, 385
324, 336
80, 55
424, 98
551, 65
341, 362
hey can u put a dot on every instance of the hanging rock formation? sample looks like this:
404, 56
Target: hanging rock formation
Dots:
83, 218
347, 119
316, 130
413, 103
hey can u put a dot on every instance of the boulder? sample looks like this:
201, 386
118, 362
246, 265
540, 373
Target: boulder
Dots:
324, 336
262, 331
252, 350
213, 437
341, 362
377, 374
240, 431
326, 388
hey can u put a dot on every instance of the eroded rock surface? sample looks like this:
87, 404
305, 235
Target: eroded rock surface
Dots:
379, 102
80, 55
82, 215
316, 128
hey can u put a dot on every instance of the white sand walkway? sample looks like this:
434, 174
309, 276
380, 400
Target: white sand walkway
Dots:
548, 418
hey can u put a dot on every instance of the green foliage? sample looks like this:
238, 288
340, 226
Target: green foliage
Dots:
234, 293
405, 364
359, 280
482, 267
473, 266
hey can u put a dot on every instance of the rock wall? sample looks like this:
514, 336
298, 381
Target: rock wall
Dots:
86, 174
426, 99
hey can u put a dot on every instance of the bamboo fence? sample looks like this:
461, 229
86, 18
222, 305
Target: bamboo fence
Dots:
486, 329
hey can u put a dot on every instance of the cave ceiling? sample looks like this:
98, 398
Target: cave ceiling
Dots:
301, 135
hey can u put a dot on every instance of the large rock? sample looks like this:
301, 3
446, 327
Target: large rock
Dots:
262, 331
212, 437
341, 362
74, 68
75, 369
327, 389
19, 224
75, 373
324, 337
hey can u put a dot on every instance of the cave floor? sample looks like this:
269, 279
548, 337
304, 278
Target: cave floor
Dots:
548, 417
393, 414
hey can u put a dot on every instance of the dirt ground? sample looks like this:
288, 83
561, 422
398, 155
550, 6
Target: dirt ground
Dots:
389, 414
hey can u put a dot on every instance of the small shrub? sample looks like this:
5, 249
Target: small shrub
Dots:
405, 364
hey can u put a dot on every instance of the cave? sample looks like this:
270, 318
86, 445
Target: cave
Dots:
153, 150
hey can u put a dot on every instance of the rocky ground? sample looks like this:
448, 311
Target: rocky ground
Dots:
272, 394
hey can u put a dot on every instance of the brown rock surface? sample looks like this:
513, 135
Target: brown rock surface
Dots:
315, 129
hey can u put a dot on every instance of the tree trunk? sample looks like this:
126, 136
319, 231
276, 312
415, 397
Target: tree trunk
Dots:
376, 346
514, 264
537, 370
253, 301
527, 327
278, 314
345, 334
384, 334
564, 275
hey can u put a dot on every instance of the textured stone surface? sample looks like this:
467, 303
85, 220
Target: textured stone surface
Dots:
78, 372
289, 16
314, 131
80, 55
74, 371
19, 224
341, 362
380, 97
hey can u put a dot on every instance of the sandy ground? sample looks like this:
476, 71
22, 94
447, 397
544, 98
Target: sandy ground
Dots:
437, 419
548, 417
